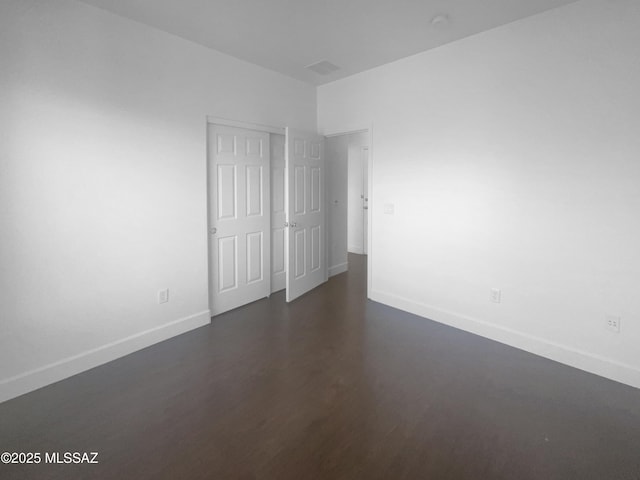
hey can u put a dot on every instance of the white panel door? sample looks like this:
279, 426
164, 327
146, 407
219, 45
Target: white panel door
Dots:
365, 189
278, 214
355, 211
306, 253
239, 217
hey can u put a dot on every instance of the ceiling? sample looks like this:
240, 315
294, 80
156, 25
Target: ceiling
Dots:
355, 35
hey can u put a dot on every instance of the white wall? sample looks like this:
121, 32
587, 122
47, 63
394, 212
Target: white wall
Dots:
512, 161
337, 154
103, 181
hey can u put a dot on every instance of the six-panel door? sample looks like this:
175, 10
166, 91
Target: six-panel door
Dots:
239, 217
305, 240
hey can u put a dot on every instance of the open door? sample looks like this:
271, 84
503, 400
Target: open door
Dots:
305, 249
365, 199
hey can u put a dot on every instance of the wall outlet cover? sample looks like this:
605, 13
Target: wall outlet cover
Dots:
612, 323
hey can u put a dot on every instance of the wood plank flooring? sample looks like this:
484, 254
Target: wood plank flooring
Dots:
334, 387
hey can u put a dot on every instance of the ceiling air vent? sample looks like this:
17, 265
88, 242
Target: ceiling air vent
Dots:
323, 67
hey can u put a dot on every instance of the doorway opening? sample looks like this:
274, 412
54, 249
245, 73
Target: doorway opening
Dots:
348, 193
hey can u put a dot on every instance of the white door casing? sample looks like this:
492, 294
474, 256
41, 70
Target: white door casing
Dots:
305, 249
278, 213
239, 216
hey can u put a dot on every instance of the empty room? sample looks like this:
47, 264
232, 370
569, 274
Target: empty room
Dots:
320, 239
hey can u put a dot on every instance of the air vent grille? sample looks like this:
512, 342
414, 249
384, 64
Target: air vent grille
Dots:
323, 67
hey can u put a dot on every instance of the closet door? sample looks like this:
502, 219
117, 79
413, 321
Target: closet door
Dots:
239, 217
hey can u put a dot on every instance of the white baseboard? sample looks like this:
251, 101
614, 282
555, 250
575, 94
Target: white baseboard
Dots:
589, 362
340, 268
54, 372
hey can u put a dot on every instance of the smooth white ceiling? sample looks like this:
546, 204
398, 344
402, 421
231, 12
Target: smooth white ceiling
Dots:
356, 35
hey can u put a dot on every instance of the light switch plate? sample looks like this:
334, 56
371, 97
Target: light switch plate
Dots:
163, 296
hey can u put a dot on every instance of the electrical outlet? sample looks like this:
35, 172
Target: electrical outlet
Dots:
612, 323
163, 296
495, 295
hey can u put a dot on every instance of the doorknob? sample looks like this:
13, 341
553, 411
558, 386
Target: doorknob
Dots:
294, 225
213, 230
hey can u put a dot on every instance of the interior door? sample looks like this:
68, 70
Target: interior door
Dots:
306, 253
278, 213
365, 199
239, 217
355, 201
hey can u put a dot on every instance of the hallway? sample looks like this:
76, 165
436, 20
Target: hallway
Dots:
332, 386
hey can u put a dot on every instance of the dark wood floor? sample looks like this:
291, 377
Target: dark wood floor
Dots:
331, 386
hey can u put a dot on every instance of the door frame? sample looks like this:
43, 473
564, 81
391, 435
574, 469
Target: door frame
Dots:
360, 129
227, 122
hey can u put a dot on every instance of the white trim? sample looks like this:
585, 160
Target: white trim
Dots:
54, 372
348, 132
589, 362
340, 268
247, 125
